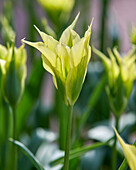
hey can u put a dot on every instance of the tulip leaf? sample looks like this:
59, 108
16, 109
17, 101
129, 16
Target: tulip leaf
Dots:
28, 153
123, 165
76, 153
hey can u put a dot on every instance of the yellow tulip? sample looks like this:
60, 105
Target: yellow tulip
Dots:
129, 151
60, 5
66, 60
13, 66
121, 73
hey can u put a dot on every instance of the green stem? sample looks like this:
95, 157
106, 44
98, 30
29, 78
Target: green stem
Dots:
68, 138
14, 138
6, 149
114, 151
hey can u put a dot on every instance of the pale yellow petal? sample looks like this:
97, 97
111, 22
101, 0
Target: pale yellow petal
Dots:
47, 65
115, 67
117, 55
50, 42
50, 55
74, 37
129, 151
106, 61
3, 52
66, 36
88, 32
77, 51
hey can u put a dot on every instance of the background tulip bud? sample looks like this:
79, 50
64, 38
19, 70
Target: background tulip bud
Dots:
121, 76
14, 75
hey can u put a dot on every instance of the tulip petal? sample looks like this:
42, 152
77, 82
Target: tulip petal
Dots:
129, 151
61, 85
19, 52
74, 37
47, 65
75, 80
50, 42
77, 52
88, 32
62, 52
50, 55
106, 61
66, 36
3, 52
115, 68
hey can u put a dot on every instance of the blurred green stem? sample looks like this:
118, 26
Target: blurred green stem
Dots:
68, 138
6, 149
103, 19
92, 101
114, 151
14, 137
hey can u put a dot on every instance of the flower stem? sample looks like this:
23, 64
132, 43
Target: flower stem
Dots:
68, 138
14, 137
114, 151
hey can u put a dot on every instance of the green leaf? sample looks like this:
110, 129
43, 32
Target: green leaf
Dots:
28, 153
124, 165
78, 152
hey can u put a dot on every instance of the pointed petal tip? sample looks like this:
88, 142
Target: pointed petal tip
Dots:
90, 26
23, 40
75, 20
37, 28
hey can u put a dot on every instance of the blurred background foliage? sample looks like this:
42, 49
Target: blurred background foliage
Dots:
41, 114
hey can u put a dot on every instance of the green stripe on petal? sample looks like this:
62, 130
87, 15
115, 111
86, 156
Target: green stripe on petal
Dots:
63, 54
75, 80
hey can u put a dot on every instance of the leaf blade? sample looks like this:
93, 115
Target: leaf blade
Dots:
28, 153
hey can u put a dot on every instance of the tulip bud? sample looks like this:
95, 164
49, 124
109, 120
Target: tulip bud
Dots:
14, 74
121, 75
58, 5
58, 11
8, 33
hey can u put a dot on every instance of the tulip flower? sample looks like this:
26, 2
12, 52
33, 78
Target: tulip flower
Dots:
129, 151
66, 60
13, 65
60, 5
121, 73
58, 11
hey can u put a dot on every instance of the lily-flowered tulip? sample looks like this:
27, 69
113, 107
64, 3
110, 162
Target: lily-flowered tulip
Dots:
129, 151
121, 73
13, 66
57, 10
66, 60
